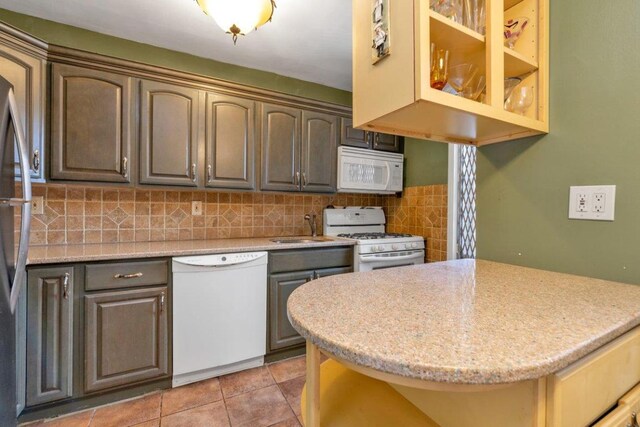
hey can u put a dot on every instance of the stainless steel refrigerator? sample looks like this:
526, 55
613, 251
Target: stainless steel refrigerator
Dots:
13, 254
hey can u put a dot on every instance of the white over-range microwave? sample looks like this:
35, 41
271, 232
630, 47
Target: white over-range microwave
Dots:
368, 171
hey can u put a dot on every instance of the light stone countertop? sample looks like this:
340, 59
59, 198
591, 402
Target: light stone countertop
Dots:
465, 321
53, 254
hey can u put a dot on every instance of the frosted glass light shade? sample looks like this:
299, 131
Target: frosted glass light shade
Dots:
238, 17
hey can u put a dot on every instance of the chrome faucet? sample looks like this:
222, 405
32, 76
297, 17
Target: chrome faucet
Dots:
312, 223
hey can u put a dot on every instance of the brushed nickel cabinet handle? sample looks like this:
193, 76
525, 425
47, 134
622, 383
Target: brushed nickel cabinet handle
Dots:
125, 166
316, 275
36, 160
128, 276
304, 179
65, 286
161, 302
297, 182
209, 173
193, 172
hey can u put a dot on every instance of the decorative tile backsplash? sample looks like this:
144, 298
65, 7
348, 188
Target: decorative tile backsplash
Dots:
421, 211
81, 214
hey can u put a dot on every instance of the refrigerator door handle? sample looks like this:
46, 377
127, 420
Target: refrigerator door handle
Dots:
25, 223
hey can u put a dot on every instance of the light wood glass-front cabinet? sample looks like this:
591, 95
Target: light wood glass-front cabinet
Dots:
395, 95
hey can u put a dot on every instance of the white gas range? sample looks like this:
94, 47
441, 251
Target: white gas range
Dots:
374, 248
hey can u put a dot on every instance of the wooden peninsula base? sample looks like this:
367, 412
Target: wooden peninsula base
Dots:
600, 389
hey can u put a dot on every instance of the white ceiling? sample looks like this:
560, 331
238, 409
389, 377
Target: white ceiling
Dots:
308, 39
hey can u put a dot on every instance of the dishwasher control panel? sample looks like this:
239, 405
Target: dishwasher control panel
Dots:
222, 260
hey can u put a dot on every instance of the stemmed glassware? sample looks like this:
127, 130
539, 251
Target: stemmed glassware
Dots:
520, 100
474, 15
513, 29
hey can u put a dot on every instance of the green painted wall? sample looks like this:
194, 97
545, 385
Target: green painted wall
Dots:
68, 36
426, 162
523, 186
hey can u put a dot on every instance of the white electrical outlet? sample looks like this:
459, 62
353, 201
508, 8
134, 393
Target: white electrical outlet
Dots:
196, 208
592, 202
37, 205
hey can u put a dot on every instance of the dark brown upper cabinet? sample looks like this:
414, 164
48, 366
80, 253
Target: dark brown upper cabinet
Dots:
319, 152
23, 64
230, 142
281, 148
386, 142
90, 125
354, 137
170, 118
299, 150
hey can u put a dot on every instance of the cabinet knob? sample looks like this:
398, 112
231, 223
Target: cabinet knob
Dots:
125, 166
36, 160
65, 286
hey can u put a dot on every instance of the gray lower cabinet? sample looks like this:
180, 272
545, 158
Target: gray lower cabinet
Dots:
23, 64
230, 145
288, 270
91, 124
50, 294
170, 117
282, 334
126, 337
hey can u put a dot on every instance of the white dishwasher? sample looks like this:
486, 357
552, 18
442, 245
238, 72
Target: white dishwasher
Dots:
219, 315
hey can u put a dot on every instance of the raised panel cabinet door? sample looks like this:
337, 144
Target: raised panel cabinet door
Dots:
126, 337
49, 334
26, 71
169, 133
230, 142
280, 148
281, 333
90, 125
319, 152
354, 137
386, 142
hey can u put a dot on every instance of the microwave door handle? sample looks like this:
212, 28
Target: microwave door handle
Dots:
388, 183
25, 223
375, 258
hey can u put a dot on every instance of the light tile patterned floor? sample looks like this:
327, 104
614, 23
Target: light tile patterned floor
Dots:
265, 396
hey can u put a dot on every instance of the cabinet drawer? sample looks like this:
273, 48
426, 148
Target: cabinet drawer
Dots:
126, 275
585, 390
310, 259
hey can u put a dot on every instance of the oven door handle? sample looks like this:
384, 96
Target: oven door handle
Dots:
374, 258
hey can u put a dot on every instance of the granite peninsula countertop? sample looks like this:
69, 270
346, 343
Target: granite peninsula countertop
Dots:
465, 321
52, 254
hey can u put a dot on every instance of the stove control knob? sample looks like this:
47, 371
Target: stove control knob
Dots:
374, 248
394, 247
414, 245
407, 246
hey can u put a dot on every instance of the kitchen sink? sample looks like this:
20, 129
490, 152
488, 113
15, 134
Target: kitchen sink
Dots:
301, 239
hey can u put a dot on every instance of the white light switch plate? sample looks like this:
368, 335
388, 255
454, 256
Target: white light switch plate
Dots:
594, 202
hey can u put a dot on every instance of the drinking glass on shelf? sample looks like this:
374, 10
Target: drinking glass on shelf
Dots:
460, 75
474, 15
451, 9
439, 67
520, 100
513, 29
475, 87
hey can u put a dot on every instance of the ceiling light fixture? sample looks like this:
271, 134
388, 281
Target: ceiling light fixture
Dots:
238, 17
